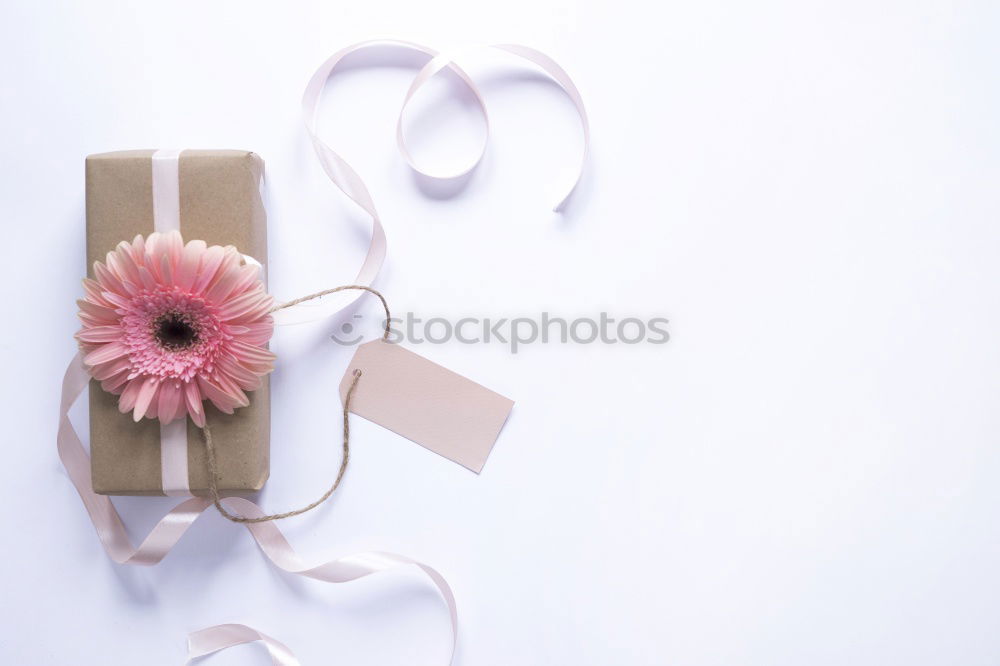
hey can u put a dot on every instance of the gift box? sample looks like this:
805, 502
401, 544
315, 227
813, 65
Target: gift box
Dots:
219, 193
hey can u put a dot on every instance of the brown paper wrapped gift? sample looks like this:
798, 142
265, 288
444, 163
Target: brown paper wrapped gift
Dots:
220, 203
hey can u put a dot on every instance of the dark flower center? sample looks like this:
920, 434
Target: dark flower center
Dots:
174, 331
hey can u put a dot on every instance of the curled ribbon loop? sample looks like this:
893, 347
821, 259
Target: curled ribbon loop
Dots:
213, 639
350, 183
433, 66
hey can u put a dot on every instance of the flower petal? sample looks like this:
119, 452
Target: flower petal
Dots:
244, 378
138, 250
98, 334
127, 400
257, 332
227, 276
193, 398
174, 247
166, 269
247, 304
108, 280
257, 359
107, 370
224, 400
95, 293
121, 265
115, 383
187, 267
117, 300
170, 403
210, 264
147, 391
100, 313
105, 353
248, 275
231, 388
147, 277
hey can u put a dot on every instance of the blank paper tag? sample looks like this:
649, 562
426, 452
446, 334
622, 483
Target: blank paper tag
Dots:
426, 403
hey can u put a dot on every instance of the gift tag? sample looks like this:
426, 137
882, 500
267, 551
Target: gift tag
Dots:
426, 403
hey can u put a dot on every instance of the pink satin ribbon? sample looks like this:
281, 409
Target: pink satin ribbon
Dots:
168, 531
347, 179
212, 639
172, 527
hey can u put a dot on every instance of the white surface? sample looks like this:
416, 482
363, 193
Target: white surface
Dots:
805, 474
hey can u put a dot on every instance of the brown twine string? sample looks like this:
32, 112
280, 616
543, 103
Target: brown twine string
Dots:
213, 470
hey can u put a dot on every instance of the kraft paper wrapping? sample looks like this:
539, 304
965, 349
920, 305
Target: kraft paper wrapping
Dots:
220, 203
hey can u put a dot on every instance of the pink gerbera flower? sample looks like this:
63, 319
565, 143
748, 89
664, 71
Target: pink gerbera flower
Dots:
168, 325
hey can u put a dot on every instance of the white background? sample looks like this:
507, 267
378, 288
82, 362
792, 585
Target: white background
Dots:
805, 474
